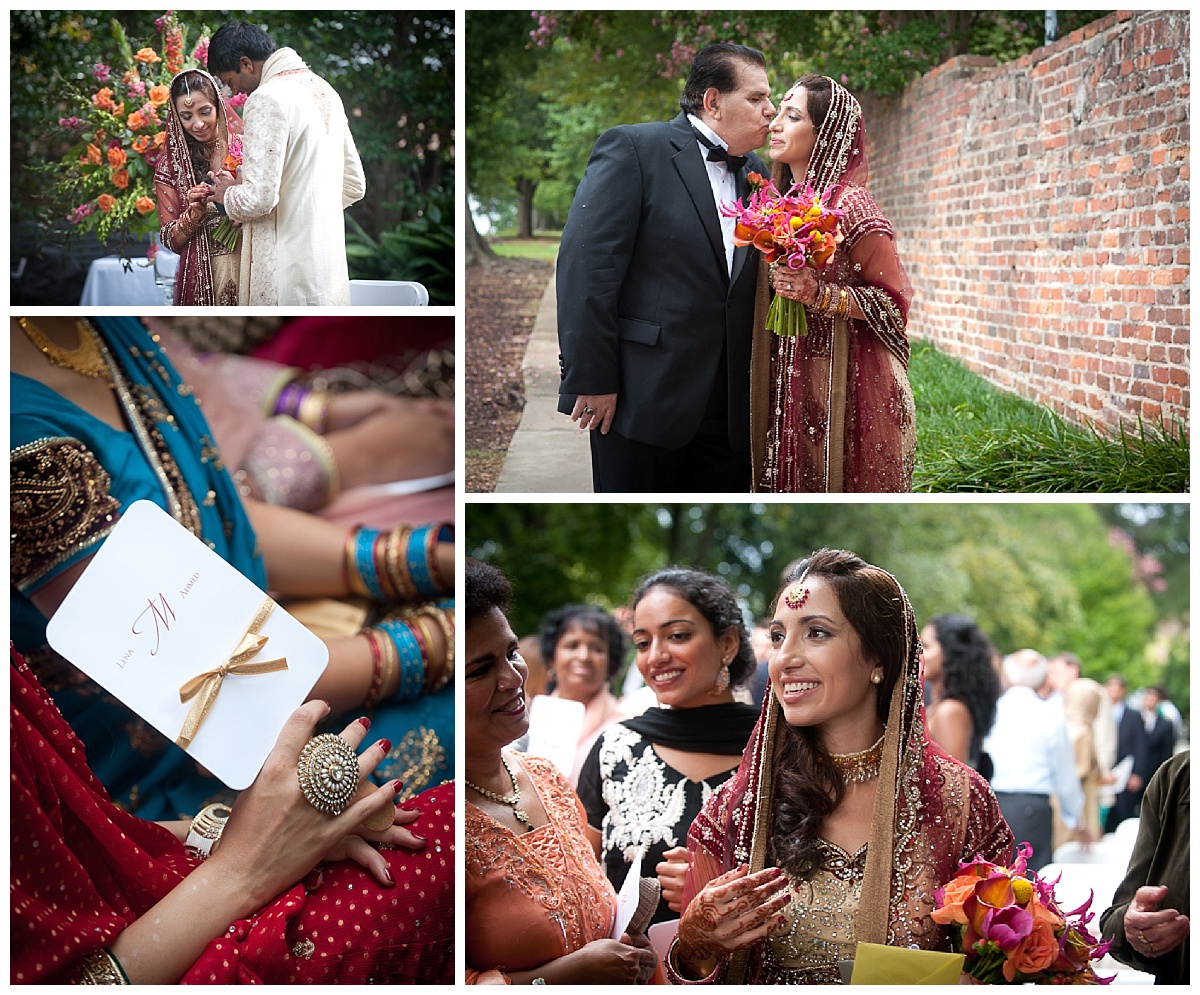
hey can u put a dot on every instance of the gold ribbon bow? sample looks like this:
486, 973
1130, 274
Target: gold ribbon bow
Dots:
206, 686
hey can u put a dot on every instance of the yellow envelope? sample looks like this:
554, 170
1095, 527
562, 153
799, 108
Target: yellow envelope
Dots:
876, 964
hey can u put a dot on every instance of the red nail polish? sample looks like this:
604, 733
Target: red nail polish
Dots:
365, 722
385, 745
396, 786
419, 838
387, 873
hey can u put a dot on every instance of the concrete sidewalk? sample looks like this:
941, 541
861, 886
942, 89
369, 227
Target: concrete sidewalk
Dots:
548, 452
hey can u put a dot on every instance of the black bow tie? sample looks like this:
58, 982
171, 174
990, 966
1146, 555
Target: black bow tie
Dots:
717, 153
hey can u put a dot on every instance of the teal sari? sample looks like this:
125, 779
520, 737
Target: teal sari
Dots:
70, 476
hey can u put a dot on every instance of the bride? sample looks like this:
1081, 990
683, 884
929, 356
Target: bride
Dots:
199, 126
833, 410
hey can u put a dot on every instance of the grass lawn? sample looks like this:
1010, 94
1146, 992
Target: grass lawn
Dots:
973, 437
543, 245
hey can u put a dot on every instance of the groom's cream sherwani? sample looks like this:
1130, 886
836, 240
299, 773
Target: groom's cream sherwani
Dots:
300, 170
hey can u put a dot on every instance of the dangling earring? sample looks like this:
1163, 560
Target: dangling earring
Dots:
722, 682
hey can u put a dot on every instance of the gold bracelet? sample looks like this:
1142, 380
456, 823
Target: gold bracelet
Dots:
843, 308
102, 968
314, 410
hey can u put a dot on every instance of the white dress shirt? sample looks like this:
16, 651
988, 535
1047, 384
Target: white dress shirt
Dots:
724, 186
1031, 752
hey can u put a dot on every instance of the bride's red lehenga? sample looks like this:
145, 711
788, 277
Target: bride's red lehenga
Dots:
832, 411
81, 870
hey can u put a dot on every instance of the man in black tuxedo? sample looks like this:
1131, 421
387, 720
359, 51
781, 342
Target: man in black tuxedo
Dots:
655, 304
1131, 742
1160, 733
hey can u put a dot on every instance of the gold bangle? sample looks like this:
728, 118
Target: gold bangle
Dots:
102, 968
843, 308
314, 410
206, 829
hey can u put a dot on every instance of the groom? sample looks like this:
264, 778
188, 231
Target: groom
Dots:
655, 304
300, 170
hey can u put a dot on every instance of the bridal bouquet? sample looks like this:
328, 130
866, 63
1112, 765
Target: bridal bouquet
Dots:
795, 229
227, 231
1011, 928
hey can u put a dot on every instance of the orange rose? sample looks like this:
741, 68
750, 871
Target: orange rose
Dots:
159, 95
957, 891
159, 139
136, 121
1033, 954
116, 157
121, 179
103, 99
144, 205
93, 155
147, 55
105, 202
141, 143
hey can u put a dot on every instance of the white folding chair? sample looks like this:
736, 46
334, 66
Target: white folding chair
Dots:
388, 292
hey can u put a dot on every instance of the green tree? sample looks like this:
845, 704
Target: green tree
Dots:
1035, 575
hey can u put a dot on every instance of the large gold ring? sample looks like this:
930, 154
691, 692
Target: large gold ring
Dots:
328, 773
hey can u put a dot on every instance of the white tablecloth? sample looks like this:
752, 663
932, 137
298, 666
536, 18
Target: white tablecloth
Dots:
109, 284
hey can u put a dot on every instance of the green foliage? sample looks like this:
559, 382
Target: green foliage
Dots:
974, 437
542, 88
1040, 575
421, 249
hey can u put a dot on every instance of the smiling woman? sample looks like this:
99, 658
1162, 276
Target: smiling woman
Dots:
539, 910
647, 777
842, 819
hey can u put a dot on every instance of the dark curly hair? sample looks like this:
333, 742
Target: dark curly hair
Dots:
967, 672
487, 588
713, 599
808, 786
591, 619
232, 40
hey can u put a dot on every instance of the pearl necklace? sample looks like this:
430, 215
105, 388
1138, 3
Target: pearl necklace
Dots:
858, 768
513, 801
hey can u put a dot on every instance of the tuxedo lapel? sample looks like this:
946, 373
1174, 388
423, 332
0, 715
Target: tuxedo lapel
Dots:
690, 166
741, 252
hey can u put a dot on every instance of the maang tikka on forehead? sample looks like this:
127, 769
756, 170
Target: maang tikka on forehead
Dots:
795, 597
187, 93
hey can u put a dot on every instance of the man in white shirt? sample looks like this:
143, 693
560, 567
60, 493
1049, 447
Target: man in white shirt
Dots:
1032, 758
300, 171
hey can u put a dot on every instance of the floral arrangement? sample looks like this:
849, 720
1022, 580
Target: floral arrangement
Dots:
796, 229
1011, 928
106, 180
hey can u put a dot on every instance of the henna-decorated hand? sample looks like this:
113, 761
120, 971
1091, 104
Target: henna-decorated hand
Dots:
733, 911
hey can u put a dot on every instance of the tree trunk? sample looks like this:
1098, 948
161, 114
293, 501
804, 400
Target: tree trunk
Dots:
525, 189
479, 253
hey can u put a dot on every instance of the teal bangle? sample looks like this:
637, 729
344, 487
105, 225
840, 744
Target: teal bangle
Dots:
364, 562
412, 663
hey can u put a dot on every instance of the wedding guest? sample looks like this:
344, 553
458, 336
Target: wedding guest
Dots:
1131, 744
300, 171
1032, 759
99, 896
1148, 922
539, 909
1081, 705
832, 410
584, 649
963, 686
1160, 731
647, 777
842, 819
100, 419
200, 126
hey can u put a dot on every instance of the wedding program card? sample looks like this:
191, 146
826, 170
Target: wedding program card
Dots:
156, 608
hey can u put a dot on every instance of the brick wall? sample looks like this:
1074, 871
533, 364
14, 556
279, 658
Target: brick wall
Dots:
1042, 210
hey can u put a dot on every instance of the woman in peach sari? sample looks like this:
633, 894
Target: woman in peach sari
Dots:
539, 908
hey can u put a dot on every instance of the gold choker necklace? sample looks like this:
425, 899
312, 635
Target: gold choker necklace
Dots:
858, 768
85, 358
513, 801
